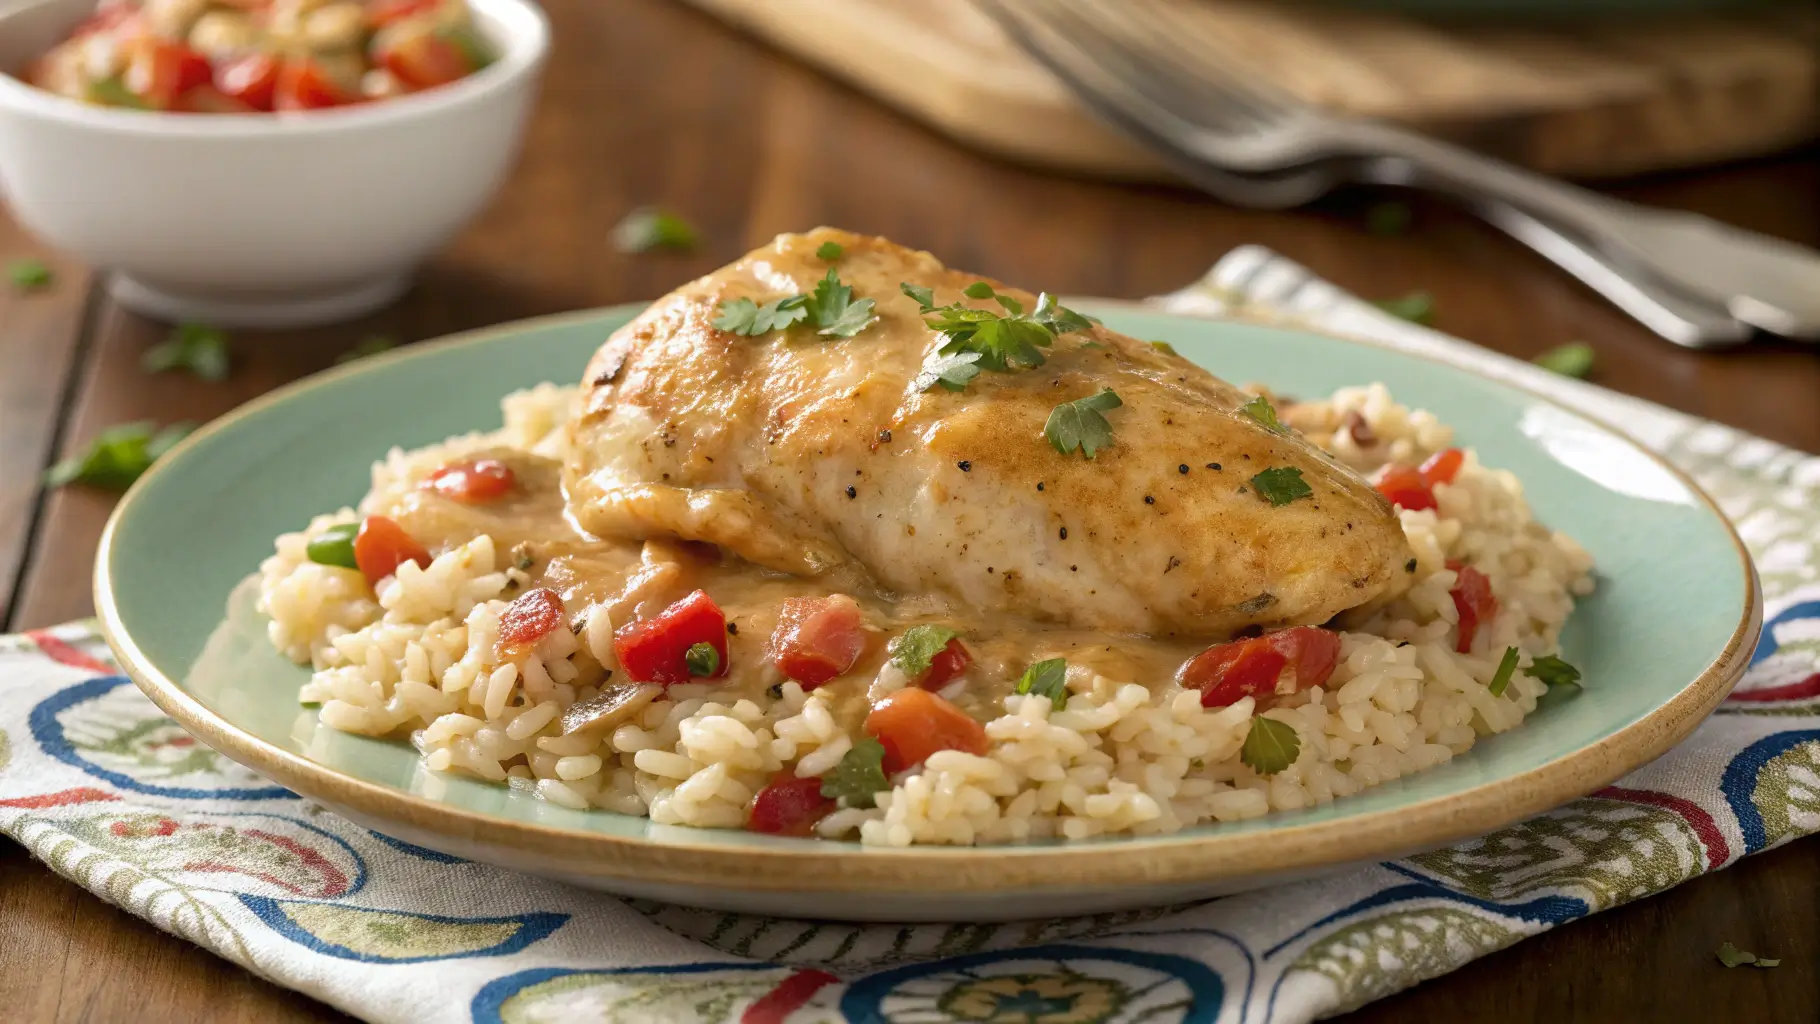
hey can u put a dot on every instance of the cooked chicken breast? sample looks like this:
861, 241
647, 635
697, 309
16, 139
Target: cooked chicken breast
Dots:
816, 455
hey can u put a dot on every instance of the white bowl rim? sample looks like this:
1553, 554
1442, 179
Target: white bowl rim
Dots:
526, 46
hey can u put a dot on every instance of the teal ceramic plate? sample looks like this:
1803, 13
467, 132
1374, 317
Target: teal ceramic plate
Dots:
1661, 642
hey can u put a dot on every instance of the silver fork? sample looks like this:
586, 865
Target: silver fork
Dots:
1135, 64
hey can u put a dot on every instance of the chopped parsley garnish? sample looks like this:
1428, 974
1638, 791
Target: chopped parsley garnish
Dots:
834, 312
118, 455
1280, 486
829, 252
859, 777
1732, 956
915, 650
1264, 413
201, 350
702, 659
1507, 667
334, 546
647, 228
1082, 424
1387, 219
1416, 307
29, 274
1270, 746
1047, 678
743, 316
1165, 348
371, 345
1553, 672
1002, 339
951, 372
1571, 360
830, 309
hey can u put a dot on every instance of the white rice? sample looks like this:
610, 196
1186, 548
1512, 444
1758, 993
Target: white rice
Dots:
1123, 756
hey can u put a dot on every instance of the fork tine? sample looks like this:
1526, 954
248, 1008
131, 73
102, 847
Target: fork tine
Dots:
1176, 33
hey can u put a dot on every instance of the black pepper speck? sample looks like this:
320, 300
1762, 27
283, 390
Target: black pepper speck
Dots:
1039, 485
1214, 466
851, 493
1064, 532
733, 628
1409, 566
1182, 469
966, 467
1149, 500
884, 436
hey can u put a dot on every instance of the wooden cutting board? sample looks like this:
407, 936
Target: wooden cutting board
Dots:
1586, 98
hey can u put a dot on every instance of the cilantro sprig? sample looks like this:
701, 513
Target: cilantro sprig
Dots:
1264, 414
1553, 672
831, 309
915, 650
829, 252
1082, 424
1270, 746
1732, 956
647, 228
1574, 359
1281, 485
201, 350
118, 455
953, 372
1047, 678
860, 775
29, 274
1004, 341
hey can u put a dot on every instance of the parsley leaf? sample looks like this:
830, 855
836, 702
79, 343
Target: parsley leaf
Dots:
1082, 424
1416, 307
1571, 360
832, 308
117, 456
647, 228
978, 290
829, 252
915, 650
1165, 348
1553, 671
371, 345
743, 316
201, 350
1732, 956
859, 777
1264, 413
951, 372
1281, 485
1270, 746
29, 274
1047, 678
925, 297
1500, 680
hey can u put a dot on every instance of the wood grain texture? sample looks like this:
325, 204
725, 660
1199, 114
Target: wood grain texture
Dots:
39, 331
648, 101
1587, 97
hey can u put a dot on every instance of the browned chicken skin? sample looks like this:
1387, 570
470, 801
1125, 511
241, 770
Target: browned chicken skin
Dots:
814, 456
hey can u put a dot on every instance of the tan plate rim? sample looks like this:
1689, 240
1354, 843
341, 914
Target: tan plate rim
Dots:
835, 867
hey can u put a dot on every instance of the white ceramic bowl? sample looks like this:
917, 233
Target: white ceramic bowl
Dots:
260, 220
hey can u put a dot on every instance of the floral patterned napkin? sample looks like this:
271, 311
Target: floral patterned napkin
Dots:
113, 795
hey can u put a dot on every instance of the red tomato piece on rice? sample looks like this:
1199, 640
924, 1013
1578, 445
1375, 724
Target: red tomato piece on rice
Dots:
789, 806
656, 650
817, 639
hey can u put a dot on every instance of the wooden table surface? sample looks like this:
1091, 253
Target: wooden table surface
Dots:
650, 102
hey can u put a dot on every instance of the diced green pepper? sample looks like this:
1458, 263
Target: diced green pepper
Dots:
334, 546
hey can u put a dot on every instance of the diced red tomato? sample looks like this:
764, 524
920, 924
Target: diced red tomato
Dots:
1473, 599
160, 72
303, 85
946, 666
1443, 466
475, 482
380, 13
382, 546
251, 79
425, 60
530, 617
912, 723
1227, 672
206, 99
817, 639
789, 806
655, 650
1406, 487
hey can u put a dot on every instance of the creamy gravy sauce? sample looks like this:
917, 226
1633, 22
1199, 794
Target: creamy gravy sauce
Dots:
638, 579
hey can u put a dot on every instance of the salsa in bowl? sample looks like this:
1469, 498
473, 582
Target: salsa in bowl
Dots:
259, 56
